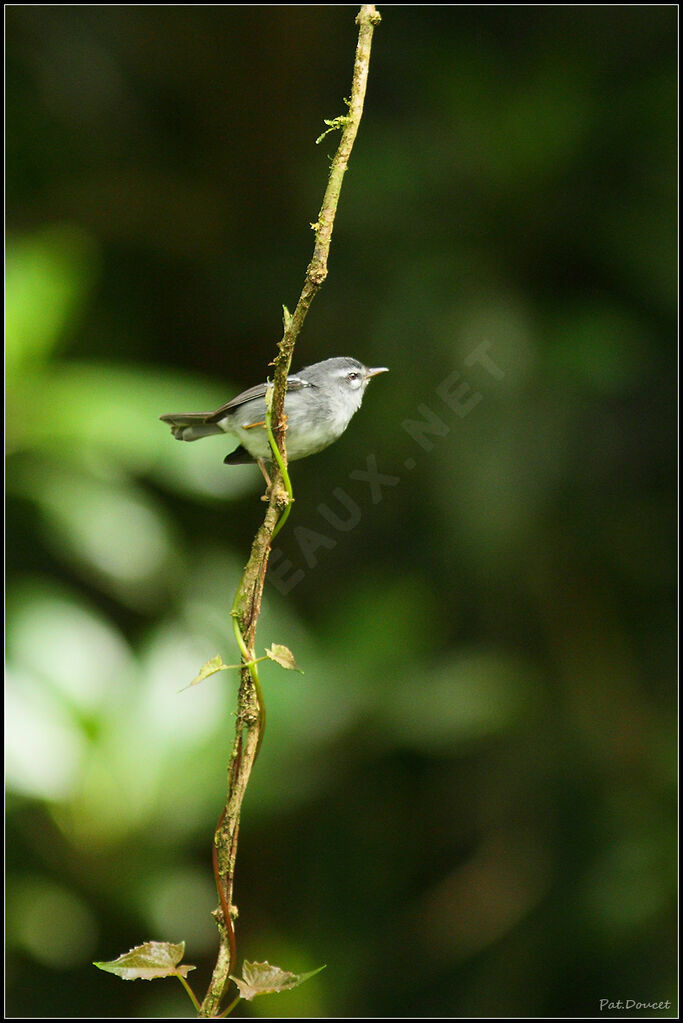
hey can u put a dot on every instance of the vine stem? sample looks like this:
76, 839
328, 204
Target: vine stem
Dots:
246, 607
281, 461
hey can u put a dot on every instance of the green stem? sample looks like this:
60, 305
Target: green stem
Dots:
281, 463
233, 1005
189, 990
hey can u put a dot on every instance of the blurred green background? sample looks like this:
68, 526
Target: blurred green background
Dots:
466, 806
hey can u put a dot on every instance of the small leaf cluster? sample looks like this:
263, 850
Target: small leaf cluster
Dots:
156, 959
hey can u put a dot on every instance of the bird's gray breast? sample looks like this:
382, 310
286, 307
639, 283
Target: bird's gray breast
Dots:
315, 419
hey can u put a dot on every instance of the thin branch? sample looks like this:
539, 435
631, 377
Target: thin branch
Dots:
247, 604
316, 273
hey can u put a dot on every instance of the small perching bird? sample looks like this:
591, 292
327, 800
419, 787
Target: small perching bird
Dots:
319, 405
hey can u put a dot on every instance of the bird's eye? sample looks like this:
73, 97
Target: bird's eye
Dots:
354, 376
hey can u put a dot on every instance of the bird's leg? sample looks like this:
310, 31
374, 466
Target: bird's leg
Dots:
262, 466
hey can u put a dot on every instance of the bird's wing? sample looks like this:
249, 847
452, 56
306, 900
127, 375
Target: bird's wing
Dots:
294, 383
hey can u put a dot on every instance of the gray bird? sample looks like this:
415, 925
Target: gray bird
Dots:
319, 404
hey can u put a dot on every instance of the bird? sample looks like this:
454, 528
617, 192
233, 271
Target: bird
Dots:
319, 404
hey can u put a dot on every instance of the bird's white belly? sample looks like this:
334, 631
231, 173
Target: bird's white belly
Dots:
299, 444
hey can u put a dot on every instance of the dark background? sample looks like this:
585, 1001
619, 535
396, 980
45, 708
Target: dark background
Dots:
466, 805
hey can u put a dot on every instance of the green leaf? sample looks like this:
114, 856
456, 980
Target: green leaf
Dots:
210, 668
334, 124
283, 656
264, 979
48, 275
148, 962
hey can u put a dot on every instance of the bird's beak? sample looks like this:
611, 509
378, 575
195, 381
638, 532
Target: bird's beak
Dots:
374, 372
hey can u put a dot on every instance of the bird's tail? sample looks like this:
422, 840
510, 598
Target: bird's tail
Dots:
190, 425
